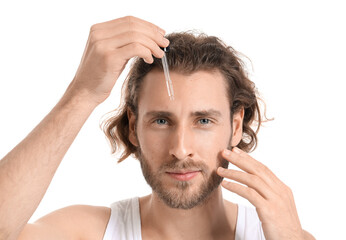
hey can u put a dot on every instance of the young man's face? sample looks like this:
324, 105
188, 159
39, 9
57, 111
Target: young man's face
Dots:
179, 142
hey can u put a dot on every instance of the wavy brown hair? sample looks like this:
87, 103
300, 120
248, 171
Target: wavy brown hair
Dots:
189, 52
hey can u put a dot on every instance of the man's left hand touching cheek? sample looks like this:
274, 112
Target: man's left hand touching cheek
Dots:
273, 200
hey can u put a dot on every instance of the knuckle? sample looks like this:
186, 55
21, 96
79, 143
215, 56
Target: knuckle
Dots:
253, 178
141, 49
94, 36
231, 185
137, 46
261, 168
129, 18
251, 192
288, 190
130, 22
94, 27
148, 52
159, 37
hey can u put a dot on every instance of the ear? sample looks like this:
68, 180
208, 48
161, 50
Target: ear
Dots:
132, 127
237, 127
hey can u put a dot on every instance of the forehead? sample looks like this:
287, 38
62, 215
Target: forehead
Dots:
199, 91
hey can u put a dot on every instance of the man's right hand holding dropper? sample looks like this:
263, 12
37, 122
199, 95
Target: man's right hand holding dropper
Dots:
27, 170
109, 47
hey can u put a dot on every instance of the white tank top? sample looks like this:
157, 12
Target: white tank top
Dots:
125, 222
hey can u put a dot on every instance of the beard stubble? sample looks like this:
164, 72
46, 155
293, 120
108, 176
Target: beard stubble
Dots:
182, 195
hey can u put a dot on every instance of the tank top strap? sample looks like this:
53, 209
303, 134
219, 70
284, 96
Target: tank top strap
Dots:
249, 226
124, 222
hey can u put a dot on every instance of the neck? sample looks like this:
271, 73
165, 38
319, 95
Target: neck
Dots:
205, 221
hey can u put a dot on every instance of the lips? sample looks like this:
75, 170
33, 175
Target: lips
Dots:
183, 175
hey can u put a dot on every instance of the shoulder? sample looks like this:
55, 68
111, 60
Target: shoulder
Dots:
93, 220
73, 222
84, 221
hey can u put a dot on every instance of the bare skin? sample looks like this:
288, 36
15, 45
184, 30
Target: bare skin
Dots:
176, 132
216, 220
183, 135
109, 47
186, 136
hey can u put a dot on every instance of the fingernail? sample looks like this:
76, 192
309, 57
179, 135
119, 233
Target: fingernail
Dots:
221, 169
227, 152
166, 41
236, 150
149, 61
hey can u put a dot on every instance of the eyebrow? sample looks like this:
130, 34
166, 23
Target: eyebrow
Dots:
206, 113
203, 113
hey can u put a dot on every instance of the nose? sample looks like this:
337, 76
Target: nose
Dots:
182, 143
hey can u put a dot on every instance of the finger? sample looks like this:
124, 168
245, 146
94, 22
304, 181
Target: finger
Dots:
124, 39
249, 180
250, 165
248, 193
135, 49
128, 20
129, 29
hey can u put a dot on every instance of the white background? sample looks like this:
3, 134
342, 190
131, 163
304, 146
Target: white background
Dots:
298, 53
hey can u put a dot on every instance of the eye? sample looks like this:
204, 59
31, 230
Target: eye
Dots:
161, 121
204, 121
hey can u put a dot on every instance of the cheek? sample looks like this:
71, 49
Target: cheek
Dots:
209, 145
153, 145
210, 138
205, 144
216, 137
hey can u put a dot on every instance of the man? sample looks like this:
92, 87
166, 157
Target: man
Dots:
184, 146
